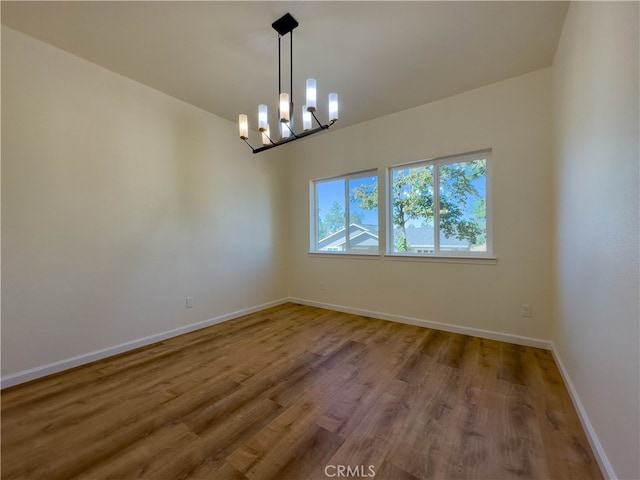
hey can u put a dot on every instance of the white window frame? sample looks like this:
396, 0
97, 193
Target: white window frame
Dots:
437, 162
313, 188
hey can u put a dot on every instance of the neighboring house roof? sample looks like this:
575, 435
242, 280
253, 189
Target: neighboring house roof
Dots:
359, 236
367, 236
423, 237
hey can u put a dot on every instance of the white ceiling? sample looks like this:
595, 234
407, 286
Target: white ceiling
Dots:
380, 57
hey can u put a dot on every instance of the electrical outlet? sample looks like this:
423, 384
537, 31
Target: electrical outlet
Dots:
189, 302
321, 285
525, 311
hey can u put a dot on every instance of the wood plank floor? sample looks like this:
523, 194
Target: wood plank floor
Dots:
297, 392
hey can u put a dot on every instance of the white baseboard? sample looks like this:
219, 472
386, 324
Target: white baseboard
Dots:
476, 332
596, 446
55, 367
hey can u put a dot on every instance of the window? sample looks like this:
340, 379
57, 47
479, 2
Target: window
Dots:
345, 204
440, 207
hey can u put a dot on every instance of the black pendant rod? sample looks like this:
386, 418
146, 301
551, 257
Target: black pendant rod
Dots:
290, 70
291, 76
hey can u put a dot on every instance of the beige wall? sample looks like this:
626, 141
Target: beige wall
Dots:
512, 118
597, 155
117, 203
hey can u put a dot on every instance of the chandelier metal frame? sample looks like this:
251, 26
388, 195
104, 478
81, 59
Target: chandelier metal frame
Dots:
285, 25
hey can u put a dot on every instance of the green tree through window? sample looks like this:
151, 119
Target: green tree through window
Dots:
429, 220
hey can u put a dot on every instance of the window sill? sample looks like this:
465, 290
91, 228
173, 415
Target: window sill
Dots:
443, 259
343, 254
410, 258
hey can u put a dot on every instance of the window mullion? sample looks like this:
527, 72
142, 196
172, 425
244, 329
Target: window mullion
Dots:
390, 246
436, 209
346, 215
316, 226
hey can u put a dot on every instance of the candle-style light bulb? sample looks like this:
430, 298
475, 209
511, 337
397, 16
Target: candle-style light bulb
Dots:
306, 118
266, 135
263, 118
284, 107
311, 95
243, 124
284, 130
333, 107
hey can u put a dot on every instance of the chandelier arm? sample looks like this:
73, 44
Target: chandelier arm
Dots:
247, 142
269, 138
318, 121
292, 132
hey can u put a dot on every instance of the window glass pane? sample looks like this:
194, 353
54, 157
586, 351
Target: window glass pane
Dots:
330, 213
463, 217
363, 214
412, 210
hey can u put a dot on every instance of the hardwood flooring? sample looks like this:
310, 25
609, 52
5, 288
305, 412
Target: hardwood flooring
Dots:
296, 392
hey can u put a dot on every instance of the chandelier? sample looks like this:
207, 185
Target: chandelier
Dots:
285, 133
